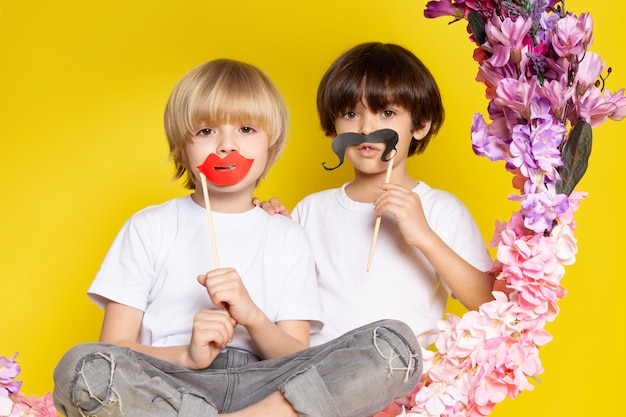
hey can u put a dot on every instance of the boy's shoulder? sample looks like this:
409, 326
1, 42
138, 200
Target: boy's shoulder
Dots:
441, 204
320, 195
435, 195
161, 212
281, 230
175, 204
324, 196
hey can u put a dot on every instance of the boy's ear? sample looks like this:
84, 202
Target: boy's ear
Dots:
419, 133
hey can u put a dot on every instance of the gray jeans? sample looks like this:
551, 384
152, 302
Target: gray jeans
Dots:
357, 374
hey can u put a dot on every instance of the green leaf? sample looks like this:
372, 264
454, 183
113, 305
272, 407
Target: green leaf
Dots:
575, 157
477, 26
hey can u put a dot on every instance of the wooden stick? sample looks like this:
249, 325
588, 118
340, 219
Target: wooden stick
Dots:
379, 218
207, 204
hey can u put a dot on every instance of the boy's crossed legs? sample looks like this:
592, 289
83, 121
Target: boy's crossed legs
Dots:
356, 375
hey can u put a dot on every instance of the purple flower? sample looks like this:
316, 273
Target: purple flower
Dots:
521, 150
9, 369
484, 143
541, 209
535, 146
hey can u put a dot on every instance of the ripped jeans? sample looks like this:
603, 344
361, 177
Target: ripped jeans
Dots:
357, 374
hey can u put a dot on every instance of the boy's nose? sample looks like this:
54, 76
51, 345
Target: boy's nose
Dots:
226, 144
366, 126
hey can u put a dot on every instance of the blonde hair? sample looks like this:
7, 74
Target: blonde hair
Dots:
223, 91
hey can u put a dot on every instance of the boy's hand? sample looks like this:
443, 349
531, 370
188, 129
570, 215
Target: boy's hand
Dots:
406, 207
273, 206
212, 330
227, 291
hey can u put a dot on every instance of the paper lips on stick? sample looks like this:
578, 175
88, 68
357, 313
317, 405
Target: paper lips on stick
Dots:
342, 141
221, 171
225, 171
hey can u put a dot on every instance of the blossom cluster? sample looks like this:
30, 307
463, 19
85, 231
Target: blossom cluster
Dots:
546, 92
13, 403
541, 80
489, 354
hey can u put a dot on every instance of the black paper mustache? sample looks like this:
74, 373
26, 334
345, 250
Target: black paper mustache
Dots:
342, 141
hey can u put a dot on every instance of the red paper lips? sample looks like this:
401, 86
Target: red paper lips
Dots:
225, 171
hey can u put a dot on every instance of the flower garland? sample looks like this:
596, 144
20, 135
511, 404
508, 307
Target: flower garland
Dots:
13, 403
546, 91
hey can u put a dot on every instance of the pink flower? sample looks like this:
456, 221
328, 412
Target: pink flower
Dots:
588, 71
390, 411
443, 8
572, 35
28, 406
515, 225
596, 106
6, 405
530, 266
565, 244
558, 94
619, 101
574, 202
505, 39
515, 96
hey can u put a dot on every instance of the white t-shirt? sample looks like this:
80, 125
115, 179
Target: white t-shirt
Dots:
401, 283
153, 263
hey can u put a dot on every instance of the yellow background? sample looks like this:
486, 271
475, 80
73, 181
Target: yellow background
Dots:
82, 90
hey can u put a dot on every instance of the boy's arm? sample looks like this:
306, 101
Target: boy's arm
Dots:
280, 339
469, 285
273, 340
212, 329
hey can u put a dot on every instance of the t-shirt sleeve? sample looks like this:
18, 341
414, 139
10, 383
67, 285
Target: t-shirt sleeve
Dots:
453, 222
300, 297
296, 213
468, 242
124, 276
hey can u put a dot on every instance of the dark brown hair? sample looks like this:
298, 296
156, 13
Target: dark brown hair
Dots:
382, 75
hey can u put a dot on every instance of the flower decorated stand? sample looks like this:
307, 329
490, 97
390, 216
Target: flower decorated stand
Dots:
546, 92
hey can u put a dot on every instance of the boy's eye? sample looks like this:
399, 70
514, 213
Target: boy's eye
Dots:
388, 113
205, 131
247, 129
350, 115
